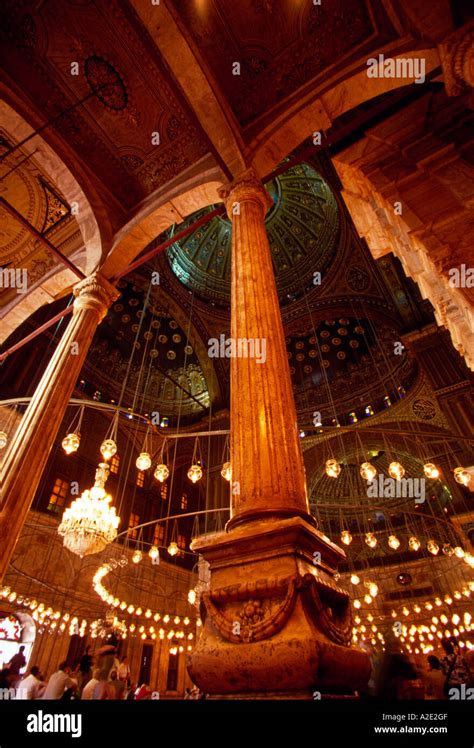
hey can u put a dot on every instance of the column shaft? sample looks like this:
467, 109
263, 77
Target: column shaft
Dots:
29, 449
267, 466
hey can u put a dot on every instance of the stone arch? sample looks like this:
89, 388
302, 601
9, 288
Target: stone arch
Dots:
169, 205
318, 110
87, 257
385, 231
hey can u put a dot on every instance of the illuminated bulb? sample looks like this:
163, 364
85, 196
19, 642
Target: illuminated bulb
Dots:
130, 609
433, 547
173, 548
226, 471
70, 443
154, 552
458, 552
333, 469
438, 601
396, 470
448, 599
430, 470
370, 539
413, 543
161, 473
356, 603
108, 448
355, 579
373, 589
462, 476
166, 618
428, 606
123, 605
367, 471
455, 619
346, 537
469, 559
143, 461
393, 542
137, 557
405, 611
195, 473
447, 549
191, 597
367, 599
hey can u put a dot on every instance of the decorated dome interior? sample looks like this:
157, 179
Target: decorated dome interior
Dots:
302, 229
164, 365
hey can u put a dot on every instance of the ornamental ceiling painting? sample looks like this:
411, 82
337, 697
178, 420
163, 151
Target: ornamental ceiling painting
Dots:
111, 132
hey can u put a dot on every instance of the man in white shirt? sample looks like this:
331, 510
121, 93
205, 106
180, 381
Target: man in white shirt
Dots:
31, 687
88, 690
59, 682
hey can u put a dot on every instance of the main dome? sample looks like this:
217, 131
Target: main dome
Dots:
302, 229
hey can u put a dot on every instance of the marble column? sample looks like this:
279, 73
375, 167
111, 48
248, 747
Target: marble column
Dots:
457, 59
276, 623
267, 467
30, 446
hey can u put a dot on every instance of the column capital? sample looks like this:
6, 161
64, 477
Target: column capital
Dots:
95, 292
247, 186
457, 59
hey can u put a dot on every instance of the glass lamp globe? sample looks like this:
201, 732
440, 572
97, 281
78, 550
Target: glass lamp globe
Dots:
4, 439
195, 473
432, 547
393, 542
154, 552
108, 448
226, 471
373, 589
447, 549
355, 579
430, 470
173, 548
161, 473
143, 461
70, 443
396, 470
137, 557
370, 539
459, 552
367, 471
191, 597
462, 476
413, 543
346, 537
333, 469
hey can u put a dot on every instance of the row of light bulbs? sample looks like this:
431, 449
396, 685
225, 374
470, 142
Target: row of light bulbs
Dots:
414, 544
436, 602
115, 602
397, 471
108, 449
56, 622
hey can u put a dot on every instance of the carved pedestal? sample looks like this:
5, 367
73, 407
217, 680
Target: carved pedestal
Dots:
276, 624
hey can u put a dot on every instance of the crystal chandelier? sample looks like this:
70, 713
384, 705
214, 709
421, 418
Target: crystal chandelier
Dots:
90, 523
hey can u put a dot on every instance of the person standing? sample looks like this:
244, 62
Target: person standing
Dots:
434, 679
16, 664
85, 669
124, 669
88, 690
59, 682
31, 687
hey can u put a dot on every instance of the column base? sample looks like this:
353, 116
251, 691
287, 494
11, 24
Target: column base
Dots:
275, 621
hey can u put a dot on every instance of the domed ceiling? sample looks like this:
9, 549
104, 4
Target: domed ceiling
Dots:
302, 229
164, 366
357, 362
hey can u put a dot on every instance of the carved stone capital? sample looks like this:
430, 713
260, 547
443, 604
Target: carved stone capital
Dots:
247, 186
95, 292
457, 59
